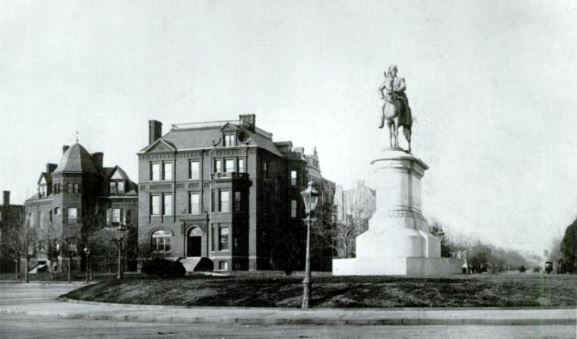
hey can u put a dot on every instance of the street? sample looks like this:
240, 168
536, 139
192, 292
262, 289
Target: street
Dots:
34, 296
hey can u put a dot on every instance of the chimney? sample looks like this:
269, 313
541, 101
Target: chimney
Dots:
247, 121
98, 159
6, 198
154, 131
50, 167
65, 148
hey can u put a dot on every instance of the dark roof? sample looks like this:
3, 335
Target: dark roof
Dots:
76, 159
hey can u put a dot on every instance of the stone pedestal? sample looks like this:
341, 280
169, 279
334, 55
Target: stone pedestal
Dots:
398, 241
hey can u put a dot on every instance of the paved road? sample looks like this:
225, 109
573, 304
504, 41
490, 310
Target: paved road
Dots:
43, 324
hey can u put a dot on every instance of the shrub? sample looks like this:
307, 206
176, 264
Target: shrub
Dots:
164, 268
522, 269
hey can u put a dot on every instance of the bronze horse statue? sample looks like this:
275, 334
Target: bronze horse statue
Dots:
396, 112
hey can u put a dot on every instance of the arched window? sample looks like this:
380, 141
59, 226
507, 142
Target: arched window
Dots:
161, 241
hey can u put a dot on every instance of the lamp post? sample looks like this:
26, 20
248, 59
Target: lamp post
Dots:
310, 197
87, 255
71, 253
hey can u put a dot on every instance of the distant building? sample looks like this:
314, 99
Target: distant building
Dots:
11, 219
223, 191
354, 208
76, 199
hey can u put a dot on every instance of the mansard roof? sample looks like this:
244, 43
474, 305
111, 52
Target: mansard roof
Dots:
209, 135
76, 159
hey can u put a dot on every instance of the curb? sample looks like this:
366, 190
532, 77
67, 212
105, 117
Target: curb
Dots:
298, 321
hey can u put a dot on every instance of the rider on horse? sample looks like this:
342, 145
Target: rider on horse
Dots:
395, 86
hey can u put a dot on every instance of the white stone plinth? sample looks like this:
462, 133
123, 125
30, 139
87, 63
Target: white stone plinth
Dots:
398, 241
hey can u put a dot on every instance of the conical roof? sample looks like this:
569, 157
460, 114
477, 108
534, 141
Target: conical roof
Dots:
76, 159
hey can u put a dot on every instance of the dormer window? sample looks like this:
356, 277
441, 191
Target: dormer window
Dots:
42, 190
117, 187
229, 140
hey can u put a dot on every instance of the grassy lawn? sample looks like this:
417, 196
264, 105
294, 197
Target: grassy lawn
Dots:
500, 290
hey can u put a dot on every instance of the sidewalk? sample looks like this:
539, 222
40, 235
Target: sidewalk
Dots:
275, 316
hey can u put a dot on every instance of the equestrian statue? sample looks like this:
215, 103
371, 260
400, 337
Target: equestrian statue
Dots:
396, 112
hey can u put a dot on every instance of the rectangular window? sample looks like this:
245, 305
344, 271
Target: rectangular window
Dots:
241, 166
42, 191
229, 140
223, 242
194, 170
167, 204
56, 210
126, 217
31, 219
194, 203
42, 221
75, 188
217, 166
113, 187
265, 168
72, 215
116, 212
121, 187
155, 171
224, 201
293, 208
167, 171
237, 201
229, 165
293, 178
155, 205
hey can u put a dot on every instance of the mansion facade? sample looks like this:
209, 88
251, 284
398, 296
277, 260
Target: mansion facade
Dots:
76, 200
222, 191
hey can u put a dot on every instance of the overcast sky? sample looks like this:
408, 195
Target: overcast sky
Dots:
492, 86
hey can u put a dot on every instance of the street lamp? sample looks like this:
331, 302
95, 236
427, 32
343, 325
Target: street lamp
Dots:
310, 198
87, 256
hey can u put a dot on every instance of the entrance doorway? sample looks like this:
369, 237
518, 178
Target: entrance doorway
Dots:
194, 242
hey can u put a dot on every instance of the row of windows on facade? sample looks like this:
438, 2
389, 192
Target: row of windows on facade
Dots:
162, 204
116, 186
114, 216
163, 170
161, 239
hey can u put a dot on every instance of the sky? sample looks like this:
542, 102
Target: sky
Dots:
492, 86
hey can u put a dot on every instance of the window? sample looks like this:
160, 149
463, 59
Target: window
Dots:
229, 165
167, 171
42, 221
121, 187
31, 219
223, 238
155, 205
75, 188
113, 187
68, 188
237, 201
293, 178
116, 212
240, 166
229, 140
155, 171
265, 168
223, 201
126, 217
72, 215
56, 210
42, 191
194, 203
167, 204
194, 170
223, 265
161, 241
293, 208
217, 165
